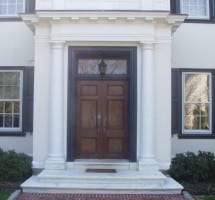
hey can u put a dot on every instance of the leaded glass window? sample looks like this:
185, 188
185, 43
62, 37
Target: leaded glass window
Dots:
197, 106
10, 100
91, 66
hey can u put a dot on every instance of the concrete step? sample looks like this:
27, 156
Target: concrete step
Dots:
101, 164
79, 181
81, 176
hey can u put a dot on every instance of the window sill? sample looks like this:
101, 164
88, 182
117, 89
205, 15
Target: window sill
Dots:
10, 133
10, 19
196, 136
206, 21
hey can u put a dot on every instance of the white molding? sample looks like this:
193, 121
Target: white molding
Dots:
79, 15
163, 5
103, 17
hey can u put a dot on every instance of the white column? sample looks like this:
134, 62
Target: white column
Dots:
147, 161
56, 158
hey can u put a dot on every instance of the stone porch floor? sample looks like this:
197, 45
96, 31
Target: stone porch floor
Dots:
42, 196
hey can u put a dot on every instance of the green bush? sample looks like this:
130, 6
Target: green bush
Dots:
15, 167
190, 167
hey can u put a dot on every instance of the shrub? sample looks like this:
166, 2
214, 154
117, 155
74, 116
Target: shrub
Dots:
15, 167
193, 168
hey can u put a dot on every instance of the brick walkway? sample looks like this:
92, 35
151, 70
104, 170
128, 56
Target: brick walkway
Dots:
37, 196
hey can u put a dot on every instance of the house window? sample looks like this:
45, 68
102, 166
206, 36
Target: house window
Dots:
196, 102
193, 103
11, 8
196, 9
11, 100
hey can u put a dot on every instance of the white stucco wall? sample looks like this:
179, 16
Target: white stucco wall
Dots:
193, 47
21, 144
16, 49
16, 44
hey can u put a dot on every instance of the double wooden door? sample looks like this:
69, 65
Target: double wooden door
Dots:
102, 119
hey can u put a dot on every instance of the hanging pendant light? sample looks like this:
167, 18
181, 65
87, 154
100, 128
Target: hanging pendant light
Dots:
102, 67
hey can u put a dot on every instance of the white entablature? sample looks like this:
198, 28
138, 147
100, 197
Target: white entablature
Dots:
162, 5
108, 17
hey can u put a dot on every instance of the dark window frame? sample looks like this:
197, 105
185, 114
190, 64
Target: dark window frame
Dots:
177, 103
175, 9
27, 101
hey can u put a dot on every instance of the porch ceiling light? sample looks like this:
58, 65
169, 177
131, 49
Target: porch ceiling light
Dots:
102, 67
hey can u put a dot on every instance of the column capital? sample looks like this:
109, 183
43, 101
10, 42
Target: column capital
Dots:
148, 45
57, 44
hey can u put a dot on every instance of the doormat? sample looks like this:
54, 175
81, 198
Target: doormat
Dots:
101, 170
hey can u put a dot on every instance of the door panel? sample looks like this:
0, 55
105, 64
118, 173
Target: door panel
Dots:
102, 122
87, 121
116, 119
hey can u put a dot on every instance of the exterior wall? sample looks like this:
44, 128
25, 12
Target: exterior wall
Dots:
21, 144
103, 5
193, 47
16, 44
16, 49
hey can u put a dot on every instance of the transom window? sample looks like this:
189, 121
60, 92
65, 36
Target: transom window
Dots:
108, 66
196, 102
196, 9
11, 100
11, 7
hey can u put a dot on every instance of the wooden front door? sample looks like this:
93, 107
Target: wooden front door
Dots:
102, 119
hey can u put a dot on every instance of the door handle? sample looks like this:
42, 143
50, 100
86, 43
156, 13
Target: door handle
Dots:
99, 117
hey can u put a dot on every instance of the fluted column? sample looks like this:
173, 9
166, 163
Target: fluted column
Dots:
147, 161
56, 158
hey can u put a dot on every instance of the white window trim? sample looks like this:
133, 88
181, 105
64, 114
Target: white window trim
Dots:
15, 14
196, 131
196, 17
21, 103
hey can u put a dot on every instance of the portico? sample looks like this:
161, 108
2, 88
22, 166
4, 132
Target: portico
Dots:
146, 39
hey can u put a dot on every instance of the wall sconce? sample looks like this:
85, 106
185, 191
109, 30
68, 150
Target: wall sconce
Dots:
102, 67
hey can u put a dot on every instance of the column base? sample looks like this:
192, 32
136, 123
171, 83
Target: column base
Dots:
55, 164
148, 166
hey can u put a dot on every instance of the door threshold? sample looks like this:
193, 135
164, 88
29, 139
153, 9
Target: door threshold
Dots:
101, 164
